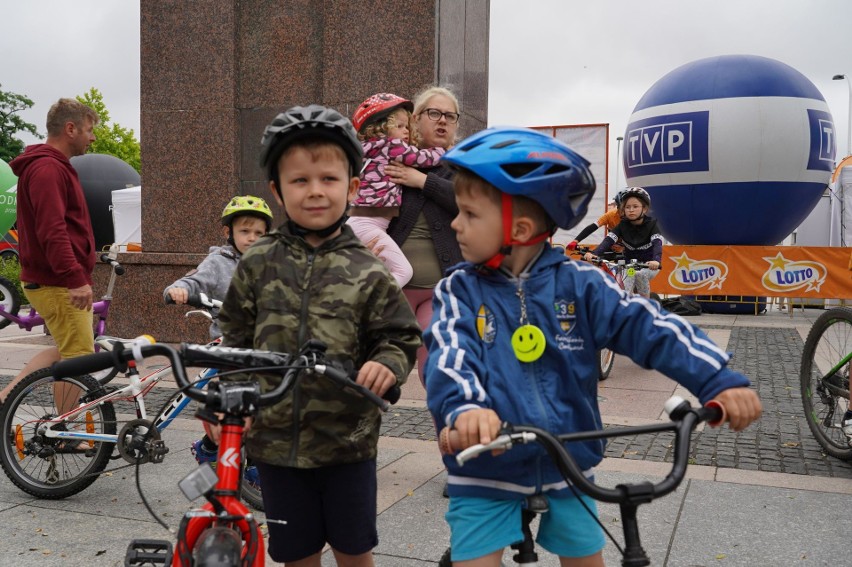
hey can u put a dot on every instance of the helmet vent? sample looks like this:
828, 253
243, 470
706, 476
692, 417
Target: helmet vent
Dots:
517, 170
556, 168
503, 144
471, 146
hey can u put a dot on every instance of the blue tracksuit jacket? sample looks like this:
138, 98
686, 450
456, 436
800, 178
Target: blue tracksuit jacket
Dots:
471, 363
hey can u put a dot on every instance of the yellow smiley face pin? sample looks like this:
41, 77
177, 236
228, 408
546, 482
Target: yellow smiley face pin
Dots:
528, 343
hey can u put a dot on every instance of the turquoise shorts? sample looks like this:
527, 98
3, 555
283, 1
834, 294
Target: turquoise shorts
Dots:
481, 526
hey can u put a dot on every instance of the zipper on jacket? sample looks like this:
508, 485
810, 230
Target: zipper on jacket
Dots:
297, 391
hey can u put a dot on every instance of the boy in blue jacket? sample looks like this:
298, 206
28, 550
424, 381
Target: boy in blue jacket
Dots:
515, 337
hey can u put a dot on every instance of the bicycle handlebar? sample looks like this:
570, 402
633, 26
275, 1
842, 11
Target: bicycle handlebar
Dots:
610, 259
224, 358
198, 300
684, 417
116, 267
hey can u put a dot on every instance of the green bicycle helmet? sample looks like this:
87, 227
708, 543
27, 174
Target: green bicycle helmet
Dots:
247, 205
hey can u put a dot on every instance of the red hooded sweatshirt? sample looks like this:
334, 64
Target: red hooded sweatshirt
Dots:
56, 243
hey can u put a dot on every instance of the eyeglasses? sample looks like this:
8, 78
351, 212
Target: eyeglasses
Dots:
434, 114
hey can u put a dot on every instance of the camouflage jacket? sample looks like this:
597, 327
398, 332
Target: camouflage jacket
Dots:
285, 292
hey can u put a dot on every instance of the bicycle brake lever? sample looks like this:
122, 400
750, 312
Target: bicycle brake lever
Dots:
199, 312
503, 442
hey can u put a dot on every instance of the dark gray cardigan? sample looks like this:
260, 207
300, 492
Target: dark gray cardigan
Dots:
438, 203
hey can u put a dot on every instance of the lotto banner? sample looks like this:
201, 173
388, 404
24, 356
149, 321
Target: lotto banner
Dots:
775, 271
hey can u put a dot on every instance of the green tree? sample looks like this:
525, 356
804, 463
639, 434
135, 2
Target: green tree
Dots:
10, 124
112, 139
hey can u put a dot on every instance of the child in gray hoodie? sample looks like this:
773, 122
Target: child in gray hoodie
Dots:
244, 220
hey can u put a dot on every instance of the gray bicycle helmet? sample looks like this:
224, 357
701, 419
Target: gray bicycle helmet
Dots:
312, 120
637, 192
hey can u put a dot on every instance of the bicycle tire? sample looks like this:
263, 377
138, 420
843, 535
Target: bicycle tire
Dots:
10, 300
251, 492
829, 340
606, 361
32, 461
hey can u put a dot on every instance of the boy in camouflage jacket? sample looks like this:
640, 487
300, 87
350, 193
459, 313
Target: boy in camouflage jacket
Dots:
313, 279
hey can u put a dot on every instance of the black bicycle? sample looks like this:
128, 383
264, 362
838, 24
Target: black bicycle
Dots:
684, 420
824, 376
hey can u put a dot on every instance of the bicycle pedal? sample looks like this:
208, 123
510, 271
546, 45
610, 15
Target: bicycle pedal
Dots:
142, 552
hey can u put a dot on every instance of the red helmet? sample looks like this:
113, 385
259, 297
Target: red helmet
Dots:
378, 107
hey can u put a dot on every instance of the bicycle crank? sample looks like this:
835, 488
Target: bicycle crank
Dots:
139, 441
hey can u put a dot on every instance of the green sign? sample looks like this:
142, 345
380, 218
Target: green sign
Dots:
8, 197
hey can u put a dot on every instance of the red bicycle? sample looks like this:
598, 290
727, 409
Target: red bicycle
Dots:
223, 532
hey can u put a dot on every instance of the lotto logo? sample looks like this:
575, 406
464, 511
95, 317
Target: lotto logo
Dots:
690, 274
789, 275
823, 141
667, 144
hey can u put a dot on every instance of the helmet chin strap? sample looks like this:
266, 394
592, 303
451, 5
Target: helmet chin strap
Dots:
301, 231
506, 249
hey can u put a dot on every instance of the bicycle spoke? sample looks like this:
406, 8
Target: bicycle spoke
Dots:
39, 462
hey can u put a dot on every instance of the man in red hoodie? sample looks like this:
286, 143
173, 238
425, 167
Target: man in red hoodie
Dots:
56, 243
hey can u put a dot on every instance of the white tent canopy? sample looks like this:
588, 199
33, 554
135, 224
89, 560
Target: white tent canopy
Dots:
127, 215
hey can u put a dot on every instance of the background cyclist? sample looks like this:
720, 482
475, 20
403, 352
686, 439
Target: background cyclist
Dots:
641, 238
609, 220
515, 337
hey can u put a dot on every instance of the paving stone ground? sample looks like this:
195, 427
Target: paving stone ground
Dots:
779, 442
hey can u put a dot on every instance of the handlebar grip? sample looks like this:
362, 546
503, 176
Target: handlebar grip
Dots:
83, 364
169, 300
117, 268
393, 394
715, 413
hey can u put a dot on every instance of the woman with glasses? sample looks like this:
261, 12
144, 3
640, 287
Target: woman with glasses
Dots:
422, 228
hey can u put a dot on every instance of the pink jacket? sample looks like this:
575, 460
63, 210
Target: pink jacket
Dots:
376, 189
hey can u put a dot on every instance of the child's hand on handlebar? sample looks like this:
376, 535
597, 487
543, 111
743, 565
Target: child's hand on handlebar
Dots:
653, 265
742, 406
179, 295
376, 376
588, 256
477, 426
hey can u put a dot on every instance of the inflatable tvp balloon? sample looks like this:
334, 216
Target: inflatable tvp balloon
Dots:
8, 197
735, 149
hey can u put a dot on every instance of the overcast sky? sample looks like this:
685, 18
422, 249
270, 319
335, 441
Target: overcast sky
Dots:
552, 61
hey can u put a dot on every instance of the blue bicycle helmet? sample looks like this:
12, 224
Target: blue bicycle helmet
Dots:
520, 161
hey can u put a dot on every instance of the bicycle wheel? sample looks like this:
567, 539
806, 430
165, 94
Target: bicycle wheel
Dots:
607, 359
825, 379
49, 467
250, 487
10, 300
